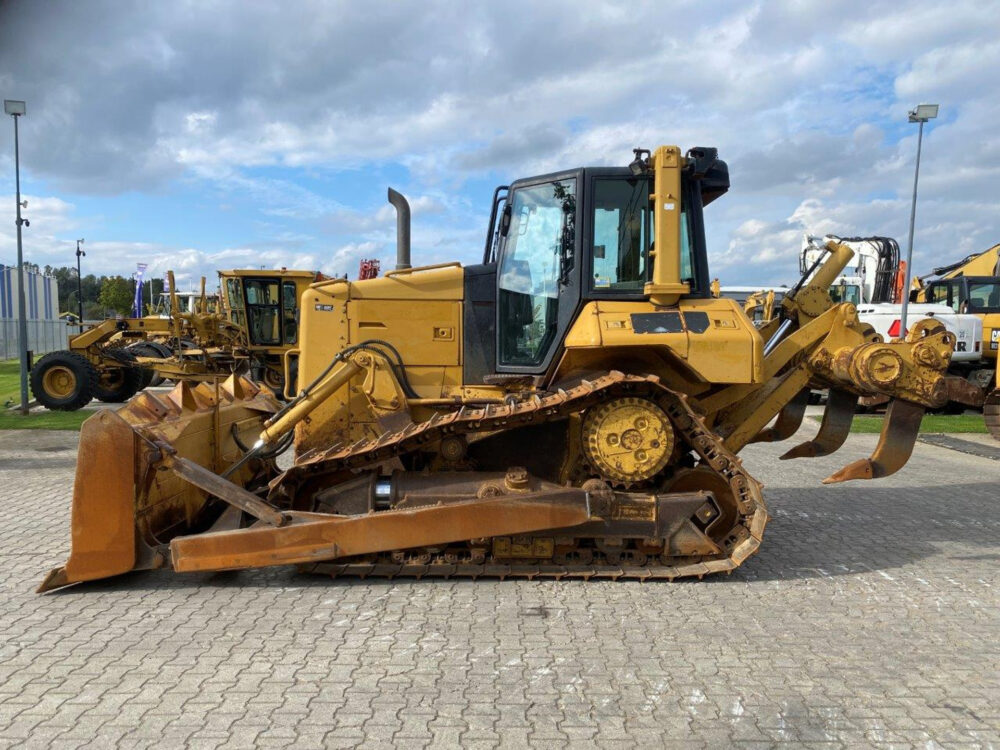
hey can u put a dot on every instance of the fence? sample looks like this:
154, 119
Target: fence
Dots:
46, 332
43, 336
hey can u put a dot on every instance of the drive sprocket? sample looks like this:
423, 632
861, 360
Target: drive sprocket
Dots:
627, 440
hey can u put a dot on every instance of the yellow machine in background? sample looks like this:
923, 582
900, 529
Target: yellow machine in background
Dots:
115, 359
265, 304
972, 286
571, 406
759, 306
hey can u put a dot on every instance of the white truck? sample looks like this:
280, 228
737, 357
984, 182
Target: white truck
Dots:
875, 286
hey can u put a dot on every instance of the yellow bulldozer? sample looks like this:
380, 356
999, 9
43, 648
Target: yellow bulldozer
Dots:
972, 286
573, 406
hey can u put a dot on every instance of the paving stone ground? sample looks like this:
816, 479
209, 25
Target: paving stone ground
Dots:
871, 617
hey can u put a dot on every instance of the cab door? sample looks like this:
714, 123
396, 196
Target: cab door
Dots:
538, 275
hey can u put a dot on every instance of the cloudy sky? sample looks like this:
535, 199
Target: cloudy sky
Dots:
202, 135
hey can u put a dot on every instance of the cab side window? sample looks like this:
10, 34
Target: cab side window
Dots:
262, 306
955, 296
290, 312
234, 293
622, 235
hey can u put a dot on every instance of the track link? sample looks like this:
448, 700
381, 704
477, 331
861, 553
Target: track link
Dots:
741, 542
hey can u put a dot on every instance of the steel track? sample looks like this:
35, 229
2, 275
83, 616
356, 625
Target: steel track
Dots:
741, 542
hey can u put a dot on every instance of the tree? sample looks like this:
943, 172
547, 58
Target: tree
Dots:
95, 307
116, 294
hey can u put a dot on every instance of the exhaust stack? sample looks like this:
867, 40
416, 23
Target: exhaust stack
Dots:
402, 229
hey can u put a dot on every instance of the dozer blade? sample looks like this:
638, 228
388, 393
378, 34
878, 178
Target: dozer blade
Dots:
126, 503
895, 444
788, 422
833, 430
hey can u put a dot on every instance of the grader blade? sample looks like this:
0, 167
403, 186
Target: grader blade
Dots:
895, 444
126, 502
833, 430
788, 422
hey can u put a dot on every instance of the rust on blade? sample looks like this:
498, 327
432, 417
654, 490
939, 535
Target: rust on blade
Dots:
833, 430
127, 503
788, 422
103, 526
961, 391
313, 537
895, 444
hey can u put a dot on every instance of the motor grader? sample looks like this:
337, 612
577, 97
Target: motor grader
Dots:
573, 406
265, 305
118, 357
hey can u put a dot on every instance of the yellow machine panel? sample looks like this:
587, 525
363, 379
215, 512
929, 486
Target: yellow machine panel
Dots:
427, 329
433, 283
712, 335
436, 325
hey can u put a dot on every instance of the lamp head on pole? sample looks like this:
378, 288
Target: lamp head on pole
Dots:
79, 252
923, 112
13, 107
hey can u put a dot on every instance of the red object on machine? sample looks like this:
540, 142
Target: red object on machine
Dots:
369, 268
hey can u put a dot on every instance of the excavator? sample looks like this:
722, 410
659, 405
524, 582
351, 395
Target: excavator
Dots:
571, 407
972, 286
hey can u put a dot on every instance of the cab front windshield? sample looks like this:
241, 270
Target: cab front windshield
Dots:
846, 293
271, 307
984, 296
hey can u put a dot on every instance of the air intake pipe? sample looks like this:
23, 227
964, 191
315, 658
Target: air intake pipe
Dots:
402, 229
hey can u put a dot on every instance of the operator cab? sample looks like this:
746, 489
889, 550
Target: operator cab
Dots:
560, 240
267, 307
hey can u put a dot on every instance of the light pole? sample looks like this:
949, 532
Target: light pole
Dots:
922, 113
16, 109
79, 282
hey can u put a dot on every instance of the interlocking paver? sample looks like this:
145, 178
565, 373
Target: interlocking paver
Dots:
871, 617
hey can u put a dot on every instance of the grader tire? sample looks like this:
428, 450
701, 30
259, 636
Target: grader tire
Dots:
160, 350
63, 381
117, 384
148, 376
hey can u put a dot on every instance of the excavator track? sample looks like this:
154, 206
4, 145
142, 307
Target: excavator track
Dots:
739, 543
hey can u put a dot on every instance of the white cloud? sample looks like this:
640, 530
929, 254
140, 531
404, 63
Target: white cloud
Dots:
806, 99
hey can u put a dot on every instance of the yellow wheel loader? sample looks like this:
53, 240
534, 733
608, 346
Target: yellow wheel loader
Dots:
573, 406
